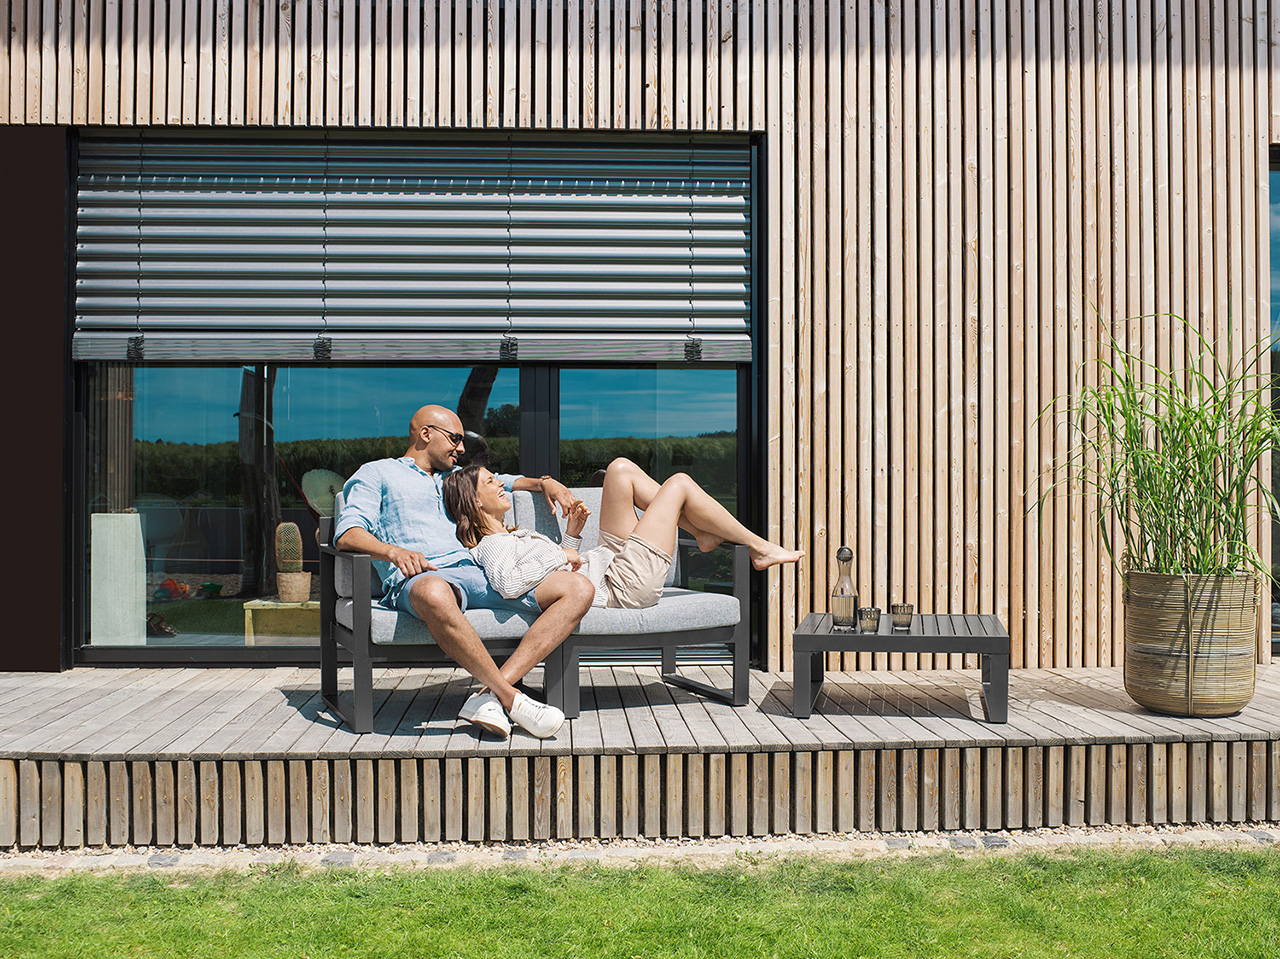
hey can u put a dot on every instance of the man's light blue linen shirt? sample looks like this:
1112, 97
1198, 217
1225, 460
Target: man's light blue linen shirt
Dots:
402, 505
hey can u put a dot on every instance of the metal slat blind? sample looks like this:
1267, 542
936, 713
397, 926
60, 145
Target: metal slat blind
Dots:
412, 250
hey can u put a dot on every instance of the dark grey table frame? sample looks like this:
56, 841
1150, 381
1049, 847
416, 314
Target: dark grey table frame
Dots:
929, 633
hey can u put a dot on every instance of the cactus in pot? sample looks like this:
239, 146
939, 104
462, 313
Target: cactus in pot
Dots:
294, 585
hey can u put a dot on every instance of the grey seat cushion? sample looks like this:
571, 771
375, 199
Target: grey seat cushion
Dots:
390, 627
677, 611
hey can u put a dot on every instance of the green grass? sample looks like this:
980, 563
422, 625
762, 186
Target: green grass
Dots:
1149, 905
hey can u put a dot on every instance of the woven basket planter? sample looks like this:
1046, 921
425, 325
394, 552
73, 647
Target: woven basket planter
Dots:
294, 587
1190, 642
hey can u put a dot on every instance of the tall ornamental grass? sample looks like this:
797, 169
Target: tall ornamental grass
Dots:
1174, 457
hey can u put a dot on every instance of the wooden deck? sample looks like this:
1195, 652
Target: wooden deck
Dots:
224, 756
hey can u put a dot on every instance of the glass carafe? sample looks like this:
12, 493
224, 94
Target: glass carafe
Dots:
844, 598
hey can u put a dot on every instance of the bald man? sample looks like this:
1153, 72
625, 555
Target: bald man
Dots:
393, 510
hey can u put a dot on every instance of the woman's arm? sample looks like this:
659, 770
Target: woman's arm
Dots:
514, 564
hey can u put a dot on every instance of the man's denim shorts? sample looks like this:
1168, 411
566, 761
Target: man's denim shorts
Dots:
472, 590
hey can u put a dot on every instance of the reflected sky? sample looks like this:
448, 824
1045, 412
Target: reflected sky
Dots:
199, 405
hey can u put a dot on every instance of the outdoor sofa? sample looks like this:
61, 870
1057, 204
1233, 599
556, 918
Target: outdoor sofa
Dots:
353, 621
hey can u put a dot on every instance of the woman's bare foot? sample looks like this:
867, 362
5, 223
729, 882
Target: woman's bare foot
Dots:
773, 555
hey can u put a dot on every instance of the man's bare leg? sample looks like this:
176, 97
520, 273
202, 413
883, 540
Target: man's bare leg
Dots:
563, 603
565, 598
436, 605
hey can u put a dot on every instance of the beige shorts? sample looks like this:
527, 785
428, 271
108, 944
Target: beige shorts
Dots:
636, 575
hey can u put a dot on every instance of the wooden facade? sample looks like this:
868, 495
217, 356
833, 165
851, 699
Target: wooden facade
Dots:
964, 200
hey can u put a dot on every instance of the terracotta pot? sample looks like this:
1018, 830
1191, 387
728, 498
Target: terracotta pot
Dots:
294, 587
1190, 642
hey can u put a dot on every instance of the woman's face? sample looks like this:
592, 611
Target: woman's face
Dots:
491, 495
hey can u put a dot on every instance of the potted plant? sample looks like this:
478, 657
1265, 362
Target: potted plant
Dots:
292, 583
1174, 457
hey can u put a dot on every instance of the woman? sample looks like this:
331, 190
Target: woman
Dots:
630, 564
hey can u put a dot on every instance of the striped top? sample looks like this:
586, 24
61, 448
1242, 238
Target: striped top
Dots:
517, 561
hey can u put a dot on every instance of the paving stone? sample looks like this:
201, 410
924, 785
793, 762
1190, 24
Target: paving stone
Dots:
626, 853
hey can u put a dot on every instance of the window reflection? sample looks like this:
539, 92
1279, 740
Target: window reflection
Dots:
191, 470
667, 421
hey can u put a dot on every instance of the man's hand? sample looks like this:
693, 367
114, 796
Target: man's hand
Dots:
577, 519
558, 494
408, 562
572, 558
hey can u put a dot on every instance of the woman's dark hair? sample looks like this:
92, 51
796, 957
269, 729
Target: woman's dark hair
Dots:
463, 506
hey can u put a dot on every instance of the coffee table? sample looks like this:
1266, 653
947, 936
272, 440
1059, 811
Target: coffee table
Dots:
929, 633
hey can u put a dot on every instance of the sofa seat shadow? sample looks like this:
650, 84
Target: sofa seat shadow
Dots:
356, 629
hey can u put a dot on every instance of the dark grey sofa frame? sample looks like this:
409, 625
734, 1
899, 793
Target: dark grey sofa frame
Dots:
560, 667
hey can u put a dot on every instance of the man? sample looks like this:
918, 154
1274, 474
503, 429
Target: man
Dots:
393, 511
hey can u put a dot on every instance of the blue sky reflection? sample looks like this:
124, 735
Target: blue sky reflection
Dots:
199, 405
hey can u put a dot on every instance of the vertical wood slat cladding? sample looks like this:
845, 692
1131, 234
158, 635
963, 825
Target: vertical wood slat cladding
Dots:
47, 805
963, 198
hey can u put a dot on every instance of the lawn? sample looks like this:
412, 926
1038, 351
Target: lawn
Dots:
1187, 903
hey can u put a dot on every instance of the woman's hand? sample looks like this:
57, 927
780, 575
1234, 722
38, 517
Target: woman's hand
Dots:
577, 518
572, 558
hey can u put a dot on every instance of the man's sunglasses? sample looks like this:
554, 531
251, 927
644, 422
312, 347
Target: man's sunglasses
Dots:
453, 438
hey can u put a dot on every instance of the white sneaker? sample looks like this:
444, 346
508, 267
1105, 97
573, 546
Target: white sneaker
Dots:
541, 719
485, 711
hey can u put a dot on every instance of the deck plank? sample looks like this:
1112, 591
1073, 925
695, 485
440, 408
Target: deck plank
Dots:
103, 715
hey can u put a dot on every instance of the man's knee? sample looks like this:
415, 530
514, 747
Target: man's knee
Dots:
578, 594
433, 598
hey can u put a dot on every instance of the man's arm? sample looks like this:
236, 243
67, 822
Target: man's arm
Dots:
358, 540
361, 512
556, 492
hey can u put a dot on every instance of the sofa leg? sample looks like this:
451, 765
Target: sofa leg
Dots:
553, 678
328, 668
362, 691
741, 672
561, 687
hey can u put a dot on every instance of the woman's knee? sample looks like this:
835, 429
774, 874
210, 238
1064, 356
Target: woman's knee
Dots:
680, 481
622, 467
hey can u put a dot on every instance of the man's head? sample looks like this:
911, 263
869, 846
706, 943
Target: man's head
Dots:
435, 438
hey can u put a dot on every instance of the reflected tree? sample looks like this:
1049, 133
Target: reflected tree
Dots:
258, 482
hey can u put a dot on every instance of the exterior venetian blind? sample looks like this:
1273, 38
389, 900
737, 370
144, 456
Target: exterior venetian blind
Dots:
412, 249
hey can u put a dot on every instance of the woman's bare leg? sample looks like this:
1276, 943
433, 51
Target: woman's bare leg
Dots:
627, 486
680, 497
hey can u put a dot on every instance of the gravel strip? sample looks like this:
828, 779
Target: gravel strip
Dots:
631, 852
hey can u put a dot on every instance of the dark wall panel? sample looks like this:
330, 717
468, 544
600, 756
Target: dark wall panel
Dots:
33, 177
